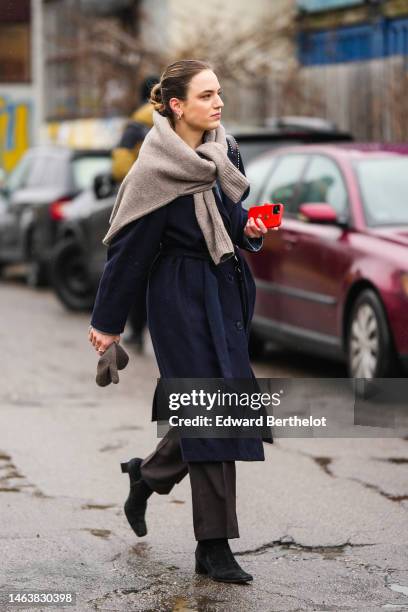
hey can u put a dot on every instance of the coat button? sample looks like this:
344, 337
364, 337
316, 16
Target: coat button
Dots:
239, 325
230, 277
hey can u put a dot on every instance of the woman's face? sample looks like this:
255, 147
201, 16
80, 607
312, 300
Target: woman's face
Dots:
202, 108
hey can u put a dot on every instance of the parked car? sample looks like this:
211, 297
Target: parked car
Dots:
284, 131
79, 256
334, 279
46, 179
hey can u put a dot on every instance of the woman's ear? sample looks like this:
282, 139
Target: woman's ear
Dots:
175, 106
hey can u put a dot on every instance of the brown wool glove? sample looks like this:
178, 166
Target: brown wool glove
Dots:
113, 359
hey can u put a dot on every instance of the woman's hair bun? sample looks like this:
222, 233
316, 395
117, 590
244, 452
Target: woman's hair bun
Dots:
156, 98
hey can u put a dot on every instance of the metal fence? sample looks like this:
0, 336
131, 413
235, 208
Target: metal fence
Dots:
366, 98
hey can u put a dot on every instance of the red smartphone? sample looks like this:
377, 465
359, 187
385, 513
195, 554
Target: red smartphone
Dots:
271, 214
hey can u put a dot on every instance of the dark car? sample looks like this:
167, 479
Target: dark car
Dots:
46, 179
79, 256
334, 279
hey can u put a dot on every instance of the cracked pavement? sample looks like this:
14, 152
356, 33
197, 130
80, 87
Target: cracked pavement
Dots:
323, 522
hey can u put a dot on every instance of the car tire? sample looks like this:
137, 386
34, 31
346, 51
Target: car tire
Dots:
69, 276
369, 343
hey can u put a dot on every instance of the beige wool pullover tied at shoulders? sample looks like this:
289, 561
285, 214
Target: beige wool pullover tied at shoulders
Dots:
167, 168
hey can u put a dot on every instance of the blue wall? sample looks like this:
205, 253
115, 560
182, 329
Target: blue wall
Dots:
354, 43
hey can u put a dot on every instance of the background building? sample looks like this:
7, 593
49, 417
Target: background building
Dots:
21, 78
70, 70
75, 66
353, 55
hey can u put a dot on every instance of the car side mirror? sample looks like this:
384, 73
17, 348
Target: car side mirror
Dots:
104, 185
320, 212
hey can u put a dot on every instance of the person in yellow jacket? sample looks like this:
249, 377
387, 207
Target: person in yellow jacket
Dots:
140, 122
123, 157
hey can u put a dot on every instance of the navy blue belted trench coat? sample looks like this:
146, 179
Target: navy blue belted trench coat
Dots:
198, 324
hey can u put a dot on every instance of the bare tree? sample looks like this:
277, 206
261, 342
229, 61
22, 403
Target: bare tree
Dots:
239, 50
103, 65
255, 60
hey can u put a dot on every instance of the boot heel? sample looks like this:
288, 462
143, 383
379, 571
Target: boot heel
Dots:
124, 467
132, 467
200, 569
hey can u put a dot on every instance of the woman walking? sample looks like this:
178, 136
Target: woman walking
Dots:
178, 221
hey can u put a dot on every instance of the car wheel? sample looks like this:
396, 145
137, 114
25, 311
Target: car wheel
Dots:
370, 349
69, 276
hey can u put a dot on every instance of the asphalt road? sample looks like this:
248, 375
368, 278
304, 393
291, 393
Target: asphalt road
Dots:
323, 522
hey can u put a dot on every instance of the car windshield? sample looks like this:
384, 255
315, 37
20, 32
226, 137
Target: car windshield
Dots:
384, 189
86, 168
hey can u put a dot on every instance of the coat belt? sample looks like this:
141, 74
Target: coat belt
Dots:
174, 250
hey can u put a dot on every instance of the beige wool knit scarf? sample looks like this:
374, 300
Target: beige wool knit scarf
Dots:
167, 168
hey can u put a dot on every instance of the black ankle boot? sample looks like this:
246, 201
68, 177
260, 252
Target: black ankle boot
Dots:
136, 503
215, 558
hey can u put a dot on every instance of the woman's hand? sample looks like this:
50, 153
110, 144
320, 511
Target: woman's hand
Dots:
101, 341
256, 229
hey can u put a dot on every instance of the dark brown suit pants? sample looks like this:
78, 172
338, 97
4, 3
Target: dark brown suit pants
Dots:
212, 483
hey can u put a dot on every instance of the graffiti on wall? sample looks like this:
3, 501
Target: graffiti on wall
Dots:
14, 131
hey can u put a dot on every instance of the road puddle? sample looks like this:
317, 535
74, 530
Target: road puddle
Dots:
195, 604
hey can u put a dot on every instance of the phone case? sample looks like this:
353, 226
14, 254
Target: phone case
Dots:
271, 214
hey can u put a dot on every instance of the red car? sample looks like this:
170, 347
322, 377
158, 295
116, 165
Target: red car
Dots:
334, 279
